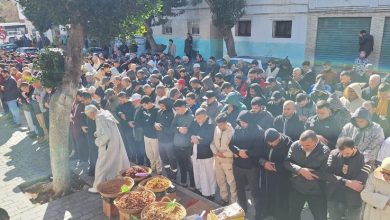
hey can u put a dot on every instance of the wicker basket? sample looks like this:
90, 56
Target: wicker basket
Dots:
116, 183
164, 202
137, 179
142, 184
132, 211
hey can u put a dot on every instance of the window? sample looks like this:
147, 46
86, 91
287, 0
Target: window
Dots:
193, 27
281, 29
243, 28
167, 27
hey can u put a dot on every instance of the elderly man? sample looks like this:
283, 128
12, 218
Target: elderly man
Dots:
376, 194
112, 156
201, 132
306, 160
297, 74
288, 123
372, 89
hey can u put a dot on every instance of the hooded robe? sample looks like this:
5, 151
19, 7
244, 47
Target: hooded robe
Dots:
112, 156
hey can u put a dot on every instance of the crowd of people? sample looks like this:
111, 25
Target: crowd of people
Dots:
320, 137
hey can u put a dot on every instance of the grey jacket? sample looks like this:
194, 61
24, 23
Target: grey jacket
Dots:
369, 139
180, 140
307, 111
317, 161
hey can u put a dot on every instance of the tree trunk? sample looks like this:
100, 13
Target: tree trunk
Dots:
149, 36
229, 41
60, 107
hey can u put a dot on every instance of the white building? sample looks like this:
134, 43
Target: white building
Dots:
316, 30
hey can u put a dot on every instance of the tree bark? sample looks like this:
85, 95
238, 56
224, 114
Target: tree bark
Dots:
60, 107
149, 36
229, 41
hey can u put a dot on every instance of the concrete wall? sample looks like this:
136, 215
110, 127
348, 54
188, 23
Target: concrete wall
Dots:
304, 15
376, 29
261, 43
208, 42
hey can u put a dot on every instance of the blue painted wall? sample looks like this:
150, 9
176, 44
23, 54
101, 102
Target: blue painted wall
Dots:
294, 51
216, 47
206, 47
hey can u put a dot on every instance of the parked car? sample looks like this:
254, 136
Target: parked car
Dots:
27, 50
93, 50
8, 47
248, 60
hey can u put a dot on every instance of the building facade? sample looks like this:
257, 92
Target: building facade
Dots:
314, 30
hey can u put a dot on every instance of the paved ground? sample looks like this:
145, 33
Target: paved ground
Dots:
24, 161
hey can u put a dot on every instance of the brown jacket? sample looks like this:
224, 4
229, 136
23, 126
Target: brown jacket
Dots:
221, 141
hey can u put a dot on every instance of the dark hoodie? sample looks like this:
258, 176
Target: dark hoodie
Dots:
146, 119
340, 113
165, 118
276, 185
250, 139
368, 140
329, 128
291, 127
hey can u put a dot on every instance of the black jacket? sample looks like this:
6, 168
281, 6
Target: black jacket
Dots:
340, 170
165, 118
275, 155
264, 119
291, 127
308, 79
366, 43
317, 161
138, 132
182, 140
250, 139
206, 134
11, 91
368, 93
329, 128
128, 110
274, 108
129, 92
146, 119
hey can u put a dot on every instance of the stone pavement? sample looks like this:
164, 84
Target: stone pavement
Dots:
24, 161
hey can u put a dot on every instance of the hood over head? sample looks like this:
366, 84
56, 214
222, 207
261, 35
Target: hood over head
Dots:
233, 98
361, 113
167, 102
335, 103
246, 116
257, 88
208, 83
357, 87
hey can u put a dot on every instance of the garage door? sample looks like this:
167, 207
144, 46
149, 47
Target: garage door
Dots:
384, 61
338, 39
